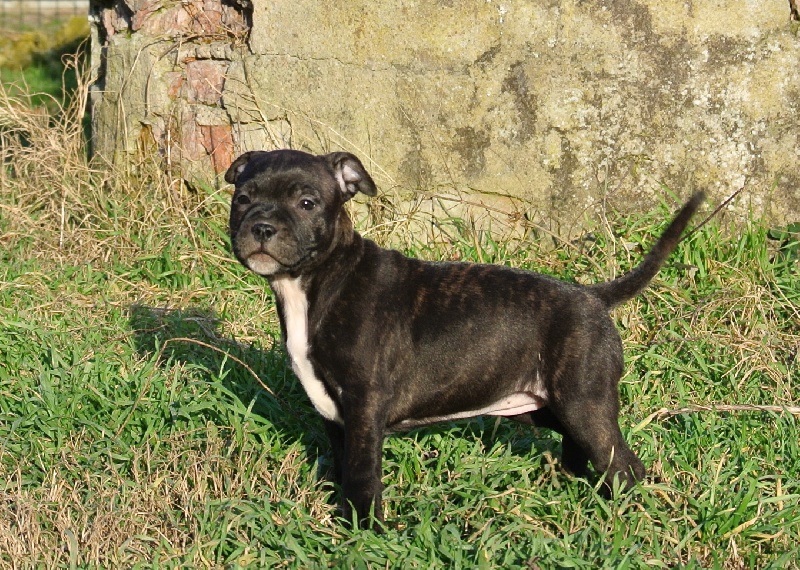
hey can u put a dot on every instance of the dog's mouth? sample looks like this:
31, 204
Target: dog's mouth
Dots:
266, 264
263, 264
280, 251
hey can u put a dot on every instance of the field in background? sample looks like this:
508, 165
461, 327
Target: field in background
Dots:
148, 418
26, 15
34, 37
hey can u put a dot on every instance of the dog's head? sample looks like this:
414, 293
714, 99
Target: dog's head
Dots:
286, 212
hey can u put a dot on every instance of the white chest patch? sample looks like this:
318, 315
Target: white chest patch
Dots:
295, 315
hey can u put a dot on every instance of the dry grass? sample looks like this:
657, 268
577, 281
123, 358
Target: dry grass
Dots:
63, 201
111, 516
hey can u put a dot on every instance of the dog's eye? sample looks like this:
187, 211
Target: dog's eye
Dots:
307, 204
242, 199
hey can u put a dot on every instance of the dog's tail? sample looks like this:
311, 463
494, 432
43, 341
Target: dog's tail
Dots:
632, 283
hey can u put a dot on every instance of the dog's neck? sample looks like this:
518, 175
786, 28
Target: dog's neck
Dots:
324, 280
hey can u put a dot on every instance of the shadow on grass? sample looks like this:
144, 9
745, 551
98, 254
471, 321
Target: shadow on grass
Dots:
258, 378
261, 380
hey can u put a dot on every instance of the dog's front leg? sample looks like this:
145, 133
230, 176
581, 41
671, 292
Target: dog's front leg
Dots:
336, 437
361, 465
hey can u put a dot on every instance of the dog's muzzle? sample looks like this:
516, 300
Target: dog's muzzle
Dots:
263, 232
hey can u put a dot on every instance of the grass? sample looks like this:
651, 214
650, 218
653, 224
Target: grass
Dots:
148, 418
38, 65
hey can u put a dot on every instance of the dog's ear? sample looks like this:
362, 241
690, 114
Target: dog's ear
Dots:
235, 169
350, 174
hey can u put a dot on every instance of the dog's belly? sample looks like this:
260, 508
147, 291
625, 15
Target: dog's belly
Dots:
511, 405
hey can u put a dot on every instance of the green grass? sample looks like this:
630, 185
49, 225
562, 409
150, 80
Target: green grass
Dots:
148, 418
38, 65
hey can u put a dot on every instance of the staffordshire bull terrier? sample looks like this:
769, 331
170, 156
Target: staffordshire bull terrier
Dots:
382, 342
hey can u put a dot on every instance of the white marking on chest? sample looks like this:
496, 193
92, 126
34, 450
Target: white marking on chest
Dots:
295, 318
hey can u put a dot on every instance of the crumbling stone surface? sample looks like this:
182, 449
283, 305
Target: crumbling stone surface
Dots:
558, 109
161, 67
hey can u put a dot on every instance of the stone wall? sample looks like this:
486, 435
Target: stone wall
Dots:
551, 109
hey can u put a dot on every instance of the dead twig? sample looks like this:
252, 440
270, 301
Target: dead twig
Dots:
664, 412
716, 211
225, 353
697, 408
160, 354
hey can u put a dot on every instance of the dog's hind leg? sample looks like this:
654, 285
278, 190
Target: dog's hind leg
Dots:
600, 439
573, 458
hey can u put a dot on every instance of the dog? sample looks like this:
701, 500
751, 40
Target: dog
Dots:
384, 343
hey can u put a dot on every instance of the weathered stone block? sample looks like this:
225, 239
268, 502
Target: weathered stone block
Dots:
552, 109
205, 79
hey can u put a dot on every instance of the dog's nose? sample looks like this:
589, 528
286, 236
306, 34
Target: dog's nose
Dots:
263, 231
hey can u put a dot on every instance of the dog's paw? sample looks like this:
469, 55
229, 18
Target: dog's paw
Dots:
353, 521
